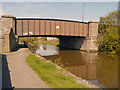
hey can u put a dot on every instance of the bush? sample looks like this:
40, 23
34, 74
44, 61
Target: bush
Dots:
108, 29
109, 41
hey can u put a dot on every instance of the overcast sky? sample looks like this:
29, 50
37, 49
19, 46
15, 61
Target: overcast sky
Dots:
65, 10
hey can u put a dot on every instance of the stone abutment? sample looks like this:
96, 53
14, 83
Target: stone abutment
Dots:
8, 39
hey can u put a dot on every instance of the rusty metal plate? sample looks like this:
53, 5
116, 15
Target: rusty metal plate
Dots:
48, 27
57, 26
25, 27
37, 27
42, 27
80, 29
76, 29
62, 30
53, 28
19, 27
31, 27
72, 29
67, 28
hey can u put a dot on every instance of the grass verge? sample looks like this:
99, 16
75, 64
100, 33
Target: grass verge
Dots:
49, 42
50, 74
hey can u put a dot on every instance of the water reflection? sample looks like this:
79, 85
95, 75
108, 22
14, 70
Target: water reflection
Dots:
99, 69
47, 50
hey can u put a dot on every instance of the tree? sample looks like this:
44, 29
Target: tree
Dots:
32, 42
110, 19
108, 33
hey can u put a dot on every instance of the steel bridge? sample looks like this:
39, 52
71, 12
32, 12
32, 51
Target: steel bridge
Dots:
50, 27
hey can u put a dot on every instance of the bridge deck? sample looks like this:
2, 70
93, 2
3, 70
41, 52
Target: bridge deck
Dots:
31, 26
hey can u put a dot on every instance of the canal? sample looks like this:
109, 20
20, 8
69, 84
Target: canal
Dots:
97, 68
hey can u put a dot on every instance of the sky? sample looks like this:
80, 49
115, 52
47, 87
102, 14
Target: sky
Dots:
64, 10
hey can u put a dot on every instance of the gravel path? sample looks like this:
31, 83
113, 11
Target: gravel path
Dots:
22, 76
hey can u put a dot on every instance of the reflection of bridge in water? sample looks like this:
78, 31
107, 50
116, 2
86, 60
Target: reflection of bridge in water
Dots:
79, 64
91, 66
47, 50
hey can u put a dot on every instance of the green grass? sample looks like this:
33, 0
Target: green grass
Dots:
51, 75
49, 42
45, 42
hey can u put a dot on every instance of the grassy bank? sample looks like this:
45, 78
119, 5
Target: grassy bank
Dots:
50, 74
45, 42
35, 40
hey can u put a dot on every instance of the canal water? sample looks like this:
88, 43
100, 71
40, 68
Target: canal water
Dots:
97, 68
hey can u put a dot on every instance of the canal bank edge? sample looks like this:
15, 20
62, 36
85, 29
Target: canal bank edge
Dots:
67, 73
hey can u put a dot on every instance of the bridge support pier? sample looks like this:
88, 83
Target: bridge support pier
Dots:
88, 43
8, 38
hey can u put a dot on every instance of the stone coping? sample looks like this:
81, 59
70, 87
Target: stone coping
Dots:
8, 16
93, 21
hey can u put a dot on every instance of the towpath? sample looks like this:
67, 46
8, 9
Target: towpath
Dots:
21, 75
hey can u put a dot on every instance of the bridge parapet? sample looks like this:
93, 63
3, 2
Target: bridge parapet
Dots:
50, 27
